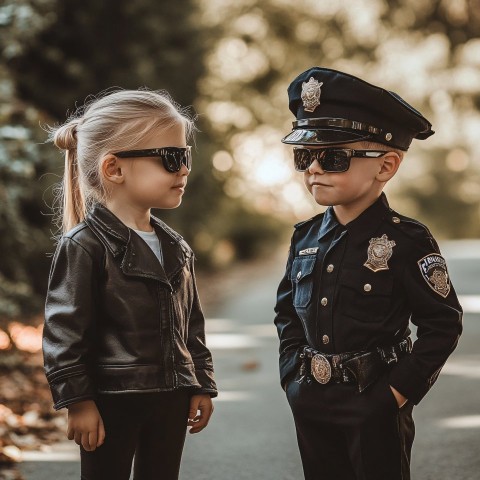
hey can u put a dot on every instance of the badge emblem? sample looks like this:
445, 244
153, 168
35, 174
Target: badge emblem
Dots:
379, 252
434, 272
321, 369
311, 94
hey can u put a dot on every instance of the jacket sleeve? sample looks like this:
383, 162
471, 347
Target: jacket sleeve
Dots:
438, 316
289, 326
69, 322
201, 356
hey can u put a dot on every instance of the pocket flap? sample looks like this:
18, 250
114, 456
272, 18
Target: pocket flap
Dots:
380, 283
302, 267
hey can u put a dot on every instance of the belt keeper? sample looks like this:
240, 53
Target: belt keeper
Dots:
303, 368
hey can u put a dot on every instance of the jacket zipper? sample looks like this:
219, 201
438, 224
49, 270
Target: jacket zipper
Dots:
171, 320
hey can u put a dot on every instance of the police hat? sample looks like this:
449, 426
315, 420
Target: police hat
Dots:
333, 107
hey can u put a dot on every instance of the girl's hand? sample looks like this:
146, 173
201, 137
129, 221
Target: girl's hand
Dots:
85, 425
202, 403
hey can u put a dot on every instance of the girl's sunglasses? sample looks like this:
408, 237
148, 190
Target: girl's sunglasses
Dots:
172, 157
332, 160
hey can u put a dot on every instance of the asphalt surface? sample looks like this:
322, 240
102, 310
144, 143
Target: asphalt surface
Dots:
251, 435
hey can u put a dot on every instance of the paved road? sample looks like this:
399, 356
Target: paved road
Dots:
251, 435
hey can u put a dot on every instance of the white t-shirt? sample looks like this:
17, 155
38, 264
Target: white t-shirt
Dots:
152, 240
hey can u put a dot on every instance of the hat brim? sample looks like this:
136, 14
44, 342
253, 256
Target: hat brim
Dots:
323, 136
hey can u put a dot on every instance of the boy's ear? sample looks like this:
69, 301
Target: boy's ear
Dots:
389, 166
112, 169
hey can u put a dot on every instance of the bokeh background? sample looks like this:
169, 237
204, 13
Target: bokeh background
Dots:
232, 61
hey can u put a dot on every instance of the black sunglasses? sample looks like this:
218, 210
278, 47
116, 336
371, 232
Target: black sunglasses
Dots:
172, 157
332, 160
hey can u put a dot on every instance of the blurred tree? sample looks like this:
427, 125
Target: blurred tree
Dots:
429, 52
233, 60
24, 231
86, 46
57, 53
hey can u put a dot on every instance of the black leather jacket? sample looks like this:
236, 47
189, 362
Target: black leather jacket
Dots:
116, 321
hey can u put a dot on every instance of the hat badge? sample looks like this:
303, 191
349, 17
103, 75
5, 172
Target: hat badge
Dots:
311, 94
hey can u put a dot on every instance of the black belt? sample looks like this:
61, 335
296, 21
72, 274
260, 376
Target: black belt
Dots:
362, 367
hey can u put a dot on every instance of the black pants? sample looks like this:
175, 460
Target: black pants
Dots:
346, 435
151, 426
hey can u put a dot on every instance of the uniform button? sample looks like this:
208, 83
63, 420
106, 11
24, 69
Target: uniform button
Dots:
299, 274
325, 339
323, 301
330, 268
395, 220
367, 287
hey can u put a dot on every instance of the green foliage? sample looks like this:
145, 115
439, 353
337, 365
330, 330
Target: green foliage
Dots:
86, 46
24, 230
232, 60
57, 53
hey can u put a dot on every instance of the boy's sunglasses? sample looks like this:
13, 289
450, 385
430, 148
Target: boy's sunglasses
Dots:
172, 157
332, 160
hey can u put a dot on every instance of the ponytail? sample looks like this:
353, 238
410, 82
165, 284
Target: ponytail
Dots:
74, 210
72, 197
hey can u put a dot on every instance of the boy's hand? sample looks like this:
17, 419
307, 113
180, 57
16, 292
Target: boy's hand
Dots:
85, 425
401, 400
202, 403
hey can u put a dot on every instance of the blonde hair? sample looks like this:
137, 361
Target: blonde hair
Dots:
111, 121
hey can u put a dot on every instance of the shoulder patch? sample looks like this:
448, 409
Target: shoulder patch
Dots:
433, 268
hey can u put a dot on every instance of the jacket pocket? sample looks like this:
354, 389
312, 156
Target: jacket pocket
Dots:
365, 296
302, 279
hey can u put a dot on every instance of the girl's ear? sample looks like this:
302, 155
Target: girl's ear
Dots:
112, 169
389, 166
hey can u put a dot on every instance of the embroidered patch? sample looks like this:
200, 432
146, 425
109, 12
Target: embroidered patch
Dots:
379, 252
311, 94
434, 272
308, 251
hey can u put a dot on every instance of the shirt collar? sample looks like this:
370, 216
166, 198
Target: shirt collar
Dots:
329, 223
368, 222
361, 227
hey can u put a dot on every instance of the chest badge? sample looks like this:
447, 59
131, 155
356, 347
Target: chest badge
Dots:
379, 252
311, 94
434, 271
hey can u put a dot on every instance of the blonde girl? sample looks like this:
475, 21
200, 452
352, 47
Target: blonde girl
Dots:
124, 339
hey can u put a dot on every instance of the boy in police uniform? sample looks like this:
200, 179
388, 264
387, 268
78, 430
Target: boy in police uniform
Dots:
356, 275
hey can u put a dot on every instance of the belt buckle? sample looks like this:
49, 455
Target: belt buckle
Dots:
321, 369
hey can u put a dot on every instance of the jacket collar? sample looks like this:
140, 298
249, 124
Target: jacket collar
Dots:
137, 257
362, 227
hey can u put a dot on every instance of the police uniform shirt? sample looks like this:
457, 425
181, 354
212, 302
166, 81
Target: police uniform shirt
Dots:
355, 287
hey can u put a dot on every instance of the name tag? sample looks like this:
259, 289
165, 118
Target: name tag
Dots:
308, 251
